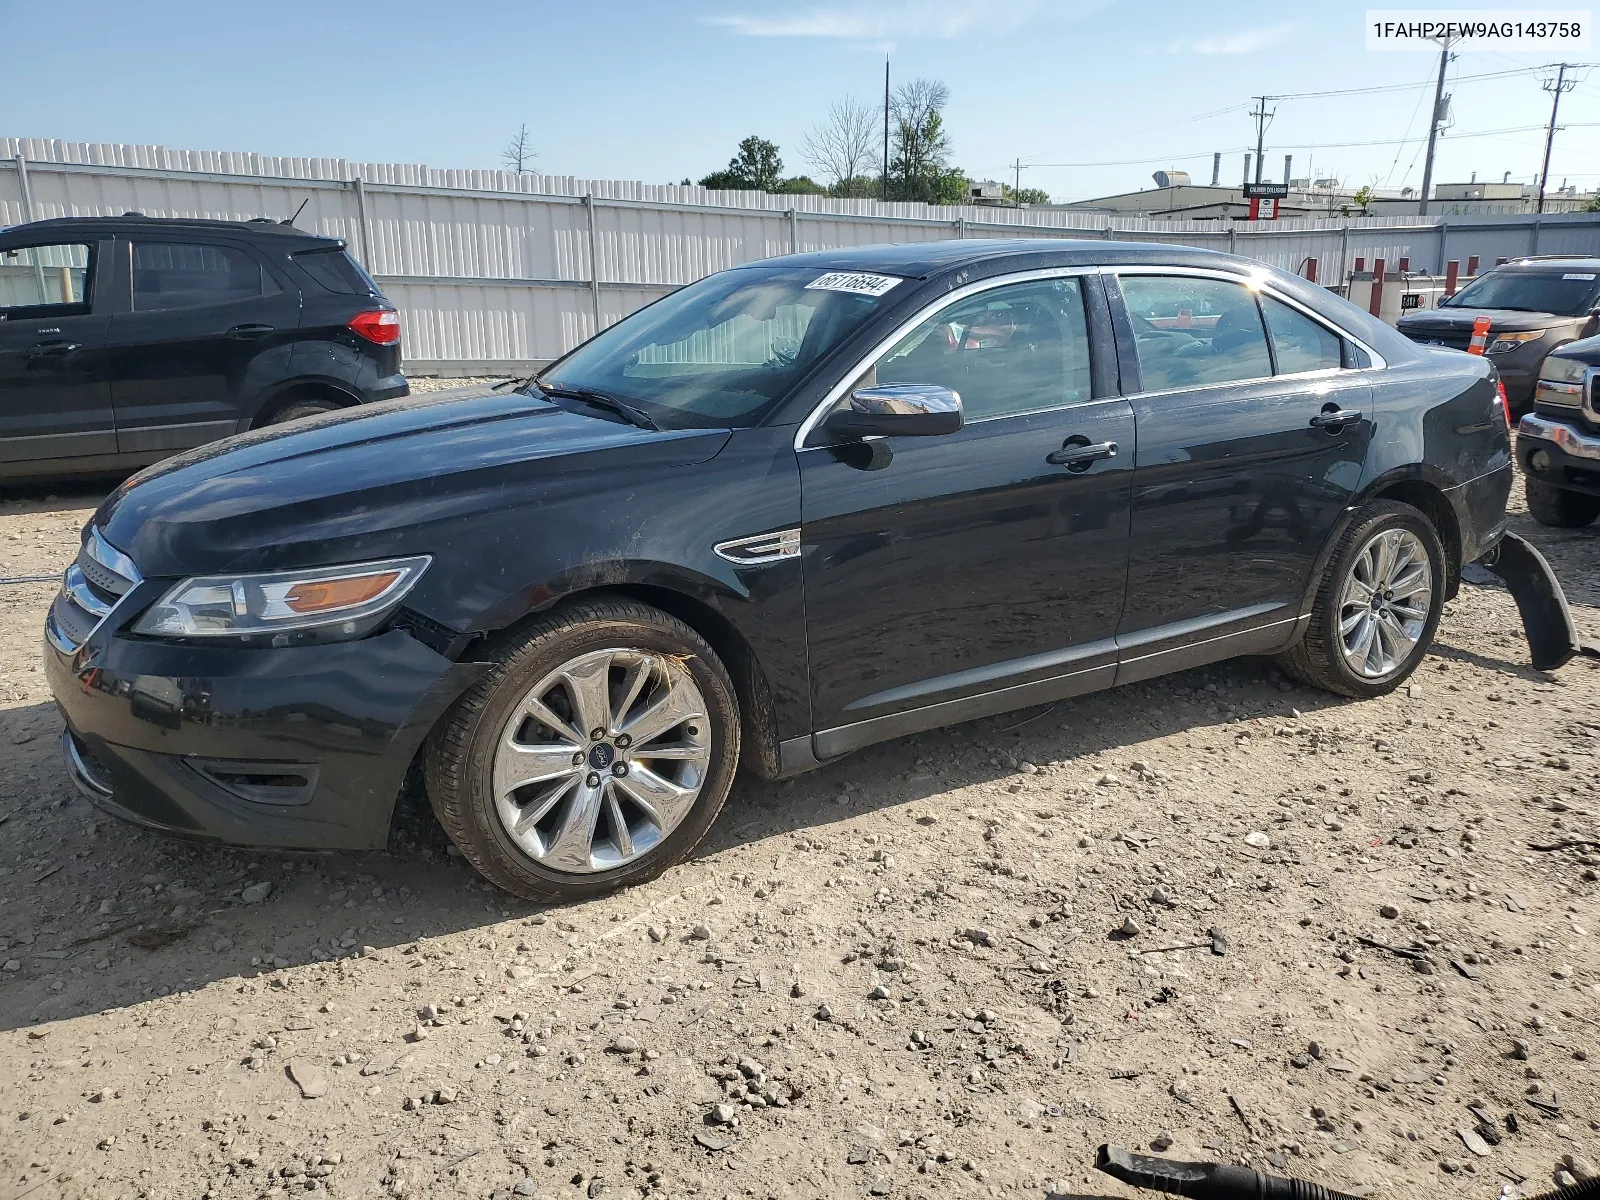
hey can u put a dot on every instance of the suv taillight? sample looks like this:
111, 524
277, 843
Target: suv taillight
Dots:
380, 325
1505, 401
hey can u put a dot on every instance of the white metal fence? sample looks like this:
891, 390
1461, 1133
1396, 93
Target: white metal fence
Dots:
495, 271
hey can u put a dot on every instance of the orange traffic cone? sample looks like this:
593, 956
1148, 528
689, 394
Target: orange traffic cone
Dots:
1480, 335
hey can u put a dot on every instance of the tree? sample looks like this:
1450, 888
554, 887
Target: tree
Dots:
917, 168
519, 153
1363, 197
756, 168
800, 185
1025, 196
1593, 205
842, 148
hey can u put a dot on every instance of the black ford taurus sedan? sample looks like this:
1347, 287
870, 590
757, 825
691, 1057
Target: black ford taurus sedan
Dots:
787, 511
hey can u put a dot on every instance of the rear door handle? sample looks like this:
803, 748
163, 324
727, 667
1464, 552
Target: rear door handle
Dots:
1333, 417
250, 331
51, 349
1078, 453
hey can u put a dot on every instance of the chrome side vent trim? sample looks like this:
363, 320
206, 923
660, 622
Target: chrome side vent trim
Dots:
762, 548
96, 582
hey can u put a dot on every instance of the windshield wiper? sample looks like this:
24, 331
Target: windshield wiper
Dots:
631, 414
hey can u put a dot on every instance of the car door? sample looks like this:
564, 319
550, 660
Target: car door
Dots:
954, 575
1252, 437
55, 383
206, 317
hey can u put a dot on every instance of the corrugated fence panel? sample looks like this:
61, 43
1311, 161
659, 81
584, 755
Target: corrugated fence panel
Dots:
493, 269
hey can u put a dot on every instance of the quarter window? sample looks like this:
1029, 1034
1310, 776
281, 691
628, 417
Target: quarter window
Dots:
1015, 349
187, 275
45, 276
1298, 342
1191, 332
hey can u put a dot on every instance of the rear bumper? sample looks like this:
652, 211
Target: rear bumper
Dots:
1480, 508
389, 387
301, 748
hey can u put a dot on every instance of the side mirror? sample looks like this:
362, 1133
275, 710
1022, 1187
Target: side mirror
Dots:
898, 410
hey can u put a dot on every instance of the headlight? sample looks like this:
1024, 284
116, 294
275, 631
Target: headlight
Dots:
285, 607
1563, 370
1504, 343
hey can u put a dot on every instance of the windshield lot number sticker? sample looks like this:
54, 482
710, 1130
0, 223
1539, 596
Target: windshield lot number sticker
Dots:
1578, 275
853, 281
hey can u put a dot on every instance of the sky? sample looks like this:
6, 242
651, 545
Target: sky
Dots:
1091, 95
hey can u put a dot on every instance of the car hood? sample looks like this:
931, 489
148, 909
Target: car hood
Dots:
369, 482
1585, 351
1459, 320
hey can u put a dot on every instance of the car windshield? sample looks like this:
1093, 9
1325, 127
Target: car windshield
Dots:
725, 350
1567, 293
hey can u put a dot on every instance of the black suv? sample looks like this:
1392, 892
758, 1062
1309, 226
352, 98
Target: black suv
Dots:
790, 510
125, 339
1533, 306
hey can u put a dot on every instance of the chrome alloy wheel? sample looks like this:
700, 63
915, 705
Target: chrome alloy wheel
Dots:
601, 760
1385, 603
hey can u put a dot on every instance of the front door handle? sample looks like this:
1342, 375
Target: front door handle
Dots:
51, 349
250, 331
1332, 417
1078, 453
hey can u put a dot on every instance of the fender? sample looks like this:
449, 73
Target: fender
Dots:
1424, 473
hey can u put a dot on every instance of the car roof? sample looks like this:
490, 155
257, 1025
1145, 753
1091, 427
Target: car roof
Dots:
134, 223
923, 259
1546, 264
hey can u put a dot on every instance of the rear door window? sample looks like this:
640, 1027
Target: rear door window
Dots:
1298, 342
169, 275
57, 277
1191, 332
337, 271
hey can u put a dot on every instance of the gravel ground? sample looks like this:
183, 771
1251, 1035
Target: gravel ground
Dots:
1218, 910
433, 383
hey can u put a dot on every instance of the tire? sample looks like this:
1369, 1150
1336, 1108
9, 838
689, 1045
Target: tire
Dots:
1320, 659
297, 409
549, 858
1551, 505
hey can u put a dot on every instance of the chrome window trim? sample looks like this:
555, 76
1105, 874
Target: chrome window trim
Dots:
836, 392
1255, 281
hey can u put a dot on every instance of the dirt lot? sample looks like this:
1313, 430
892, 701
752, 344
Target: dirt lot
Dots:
950, 965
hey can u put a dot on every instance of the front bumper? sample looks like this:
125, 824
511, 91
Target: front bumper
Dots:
295, 748
1558, 453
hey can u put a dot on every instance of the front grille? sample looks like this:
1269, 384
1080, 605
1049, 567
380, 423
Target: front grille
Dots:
1456, 341
90, 588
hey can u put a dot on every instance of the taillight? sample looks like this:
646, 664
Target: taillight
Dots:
380, 325
1505, 401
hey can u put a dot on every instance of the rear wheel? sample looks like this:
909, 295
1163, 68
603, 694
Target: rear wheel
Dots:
297, 409
1377, 606
1551, 505
594, 754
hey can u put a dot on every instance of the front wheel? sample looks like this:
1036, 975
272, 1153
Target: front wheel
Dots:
594, 754
1377, 606
1558, 507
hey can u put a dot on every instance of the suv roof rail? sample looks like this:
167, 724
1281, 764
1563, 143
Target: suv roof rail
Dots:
1553, 257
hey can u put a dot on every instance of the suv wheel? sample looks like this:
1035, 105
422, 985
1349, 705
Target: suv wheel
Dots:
595, 753
1377, 606
297, 409
1551, 505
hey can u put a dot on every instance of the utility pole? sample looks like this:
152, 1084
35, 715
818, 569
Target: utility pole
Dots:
1262, 116
1433, 126
1555, 87
886, 127
1016, 188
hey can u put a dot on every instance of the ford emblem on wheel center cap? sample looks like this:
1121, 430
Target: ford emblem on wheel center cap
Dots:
600, 756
